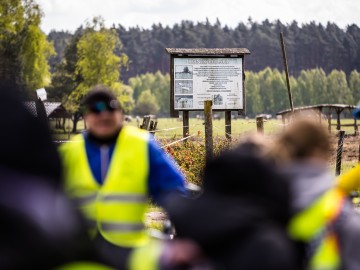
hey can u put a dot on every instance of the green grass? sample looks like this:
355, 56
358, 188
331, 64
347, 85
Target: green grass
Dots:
348, 129
172, 128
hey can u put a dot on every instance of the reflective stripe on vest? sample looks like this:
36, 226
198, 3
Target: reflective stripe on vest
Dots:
117, 207
106, 226
85, 200
125, 198
315, 226
89, 199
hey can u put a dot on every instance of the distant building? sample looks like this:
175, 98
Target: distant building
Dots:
52, 109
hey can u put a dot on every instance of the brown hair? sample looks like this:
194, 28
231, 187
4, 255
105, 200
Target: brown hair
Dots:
300, 140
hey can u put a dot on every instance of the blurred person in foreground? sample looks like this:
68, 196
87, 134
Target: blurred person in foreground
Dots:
350, 180
39, 227
111, 171
324, 224
238, 222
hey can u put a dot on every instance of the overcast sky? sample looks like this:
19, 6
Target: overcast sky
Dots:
70, 14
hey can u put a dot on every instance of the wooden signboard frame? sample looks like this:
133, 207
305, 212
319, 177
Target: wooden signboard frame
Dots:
211, 54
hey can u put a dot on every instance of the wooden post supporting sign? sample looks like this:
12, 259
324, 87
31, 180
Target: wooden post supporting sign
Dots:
208, 129
339, 152
185, 124
260, 124
228, 125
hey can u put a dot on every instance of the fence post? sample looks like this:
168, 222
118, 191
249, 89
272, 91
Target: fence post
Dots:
356, 129
152, 127
260, 124
208, 129
146, 122
68, 128
339, 152
338, 123
228, 125
185, 124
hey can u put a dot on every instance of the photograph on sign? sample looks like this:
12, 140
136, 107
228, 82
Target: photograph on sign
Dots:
183, 72
183, 101
200, 79
183, 87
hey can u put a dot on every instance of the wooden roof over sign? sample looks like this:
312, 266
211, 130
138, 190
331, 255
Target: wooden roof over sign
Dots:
208, 51
319, 107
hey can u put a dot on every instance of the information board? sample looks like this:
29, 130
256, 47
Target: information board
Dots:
200, 79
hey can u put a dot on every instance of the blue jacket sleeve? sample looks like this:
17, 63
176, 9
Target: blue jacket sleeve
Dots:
164, 176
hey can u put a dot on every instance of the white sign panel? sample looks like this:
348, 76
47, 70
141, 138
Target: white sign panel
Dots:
41, 93
200, 79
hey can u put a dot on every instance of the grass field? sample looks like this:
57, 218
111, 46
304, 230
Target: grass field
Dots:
171, 130
168, 128
171, 127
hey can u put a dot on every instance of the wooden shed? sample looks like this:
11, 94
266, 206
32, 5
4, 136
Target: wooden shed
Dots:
326, 110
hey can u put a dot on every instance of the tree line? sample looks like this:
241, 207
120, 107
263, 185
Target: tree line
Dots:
308, 46
322, 60
265, 91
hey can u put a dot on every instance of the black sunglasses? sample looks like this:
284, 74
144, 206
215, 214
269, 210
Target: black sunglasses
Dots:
99, 107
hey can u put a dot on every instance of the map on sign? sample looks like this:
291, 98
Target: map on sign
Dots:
200, 79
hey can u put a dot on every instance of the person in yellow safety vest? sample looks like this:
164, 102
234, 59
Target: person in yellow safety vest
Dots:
350, 180
324, 223
111, 171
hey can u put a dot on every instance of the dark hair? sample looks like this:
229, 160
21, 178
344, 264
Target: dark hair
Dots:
101, 93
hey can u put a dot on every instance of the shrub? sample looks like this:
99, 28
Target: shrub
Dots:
190, 157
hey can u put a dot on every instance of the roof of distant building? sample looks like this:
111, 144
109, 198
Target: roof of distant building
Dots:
53, 109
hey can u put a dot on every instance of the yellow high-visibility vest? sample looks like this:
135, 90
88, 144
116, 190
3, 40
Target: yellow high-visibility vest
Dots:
350, 180
81, 265
314, 221
146, 257
117, 208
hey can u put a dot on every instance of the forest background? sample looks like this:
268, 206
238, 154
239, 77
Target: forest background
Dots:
323, 60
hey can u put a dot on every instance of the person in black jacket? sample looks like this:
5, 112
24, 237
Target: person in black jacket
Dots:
239, 222
39, 227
